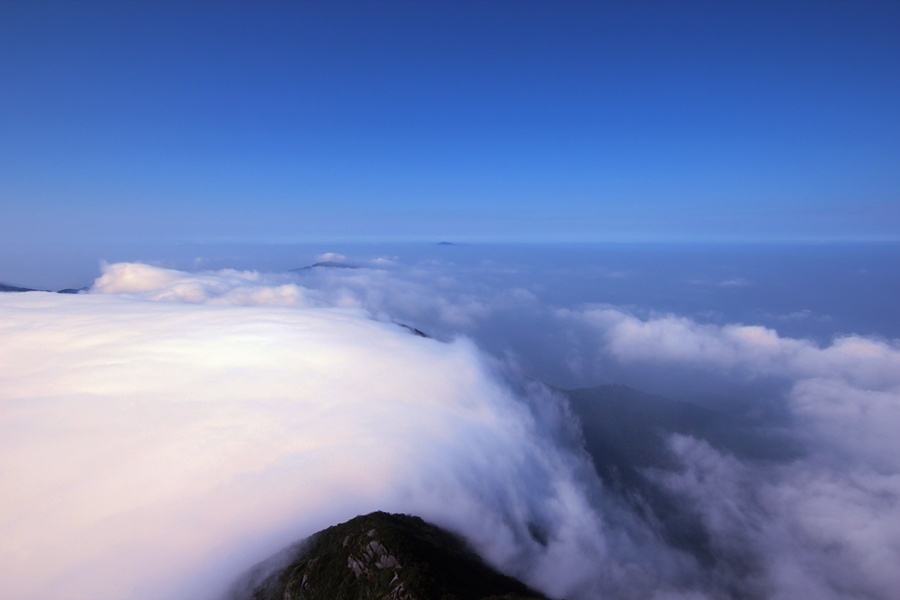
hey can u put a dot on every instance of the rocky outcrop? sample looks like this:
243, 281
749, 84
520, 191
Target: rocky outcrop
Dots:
381, 557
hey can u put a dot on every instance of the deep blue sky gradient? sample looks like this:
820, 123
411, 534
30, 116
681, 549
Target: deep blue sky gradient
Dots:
472, 121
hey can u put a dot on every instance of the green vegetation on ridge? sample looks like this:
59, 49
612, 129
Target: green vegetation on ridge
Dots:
384, 556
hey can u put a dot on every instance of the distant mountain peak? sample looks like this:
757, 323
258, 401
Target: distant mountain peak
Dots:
5, 287
331, 264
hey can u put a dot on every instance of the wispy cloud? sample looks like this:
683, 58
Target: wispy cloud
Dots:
734, 282
824, 525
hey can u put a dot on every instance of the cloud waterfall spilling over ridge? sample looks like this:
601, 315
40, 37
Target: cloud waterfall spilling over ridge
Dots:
154, 449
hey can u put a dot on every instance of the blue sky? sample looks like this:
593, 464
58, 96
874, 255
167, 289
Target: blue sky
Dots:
286, 122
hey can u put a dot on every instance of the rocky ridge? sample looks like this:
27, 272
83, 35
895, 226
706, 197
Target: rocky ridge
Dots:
381, 556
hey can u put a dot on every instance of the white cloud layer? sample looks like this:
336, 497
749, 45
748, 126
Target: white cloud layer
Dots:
165, 432
175, 427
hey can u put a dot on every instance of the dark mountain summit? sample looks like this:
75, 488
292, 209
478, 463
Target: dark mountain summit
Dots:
4, 287
379, 556
328, 264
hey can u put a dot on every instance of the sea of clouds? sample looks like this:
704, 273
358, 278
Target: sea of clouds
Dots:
168, 429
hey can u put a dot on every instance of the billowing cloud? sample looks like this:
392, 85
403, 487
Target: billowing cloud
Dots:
168, 430
751, 349
811, 528
227, 287
826, 525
